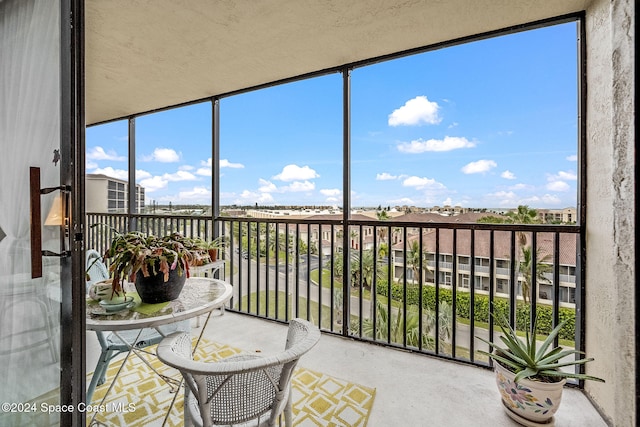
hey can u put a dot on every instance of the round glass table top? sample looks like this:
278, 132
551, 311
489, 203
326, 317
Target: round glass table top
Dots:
200, 295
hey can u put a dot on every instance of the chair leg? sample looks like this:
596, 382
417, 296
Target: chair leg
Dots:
288, 413
99, 373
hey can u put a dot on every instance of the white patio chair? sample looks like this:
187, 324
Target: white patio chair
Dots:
241, 388
112, 345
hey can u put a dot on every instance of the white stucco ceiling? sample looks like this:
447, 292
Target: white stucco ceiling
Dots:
145, 55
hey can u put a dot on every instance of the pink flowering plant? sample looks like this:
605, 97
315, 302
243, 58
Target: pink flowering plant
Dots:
134, 251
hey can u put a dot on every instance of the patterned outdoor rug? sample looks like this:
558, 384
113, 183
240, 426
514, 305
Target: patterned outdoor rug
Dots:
141, 398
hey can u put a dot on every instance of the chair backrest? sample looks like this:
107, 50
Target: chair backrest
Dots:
243, 387
95, 267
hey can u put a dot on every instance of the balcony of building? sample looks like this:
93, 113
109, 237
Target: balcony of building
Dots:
141, 59
278, 273
410, 389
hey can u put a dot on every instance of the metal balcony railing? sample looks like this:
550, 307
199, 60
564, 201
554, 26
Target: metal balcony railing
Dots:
389, 290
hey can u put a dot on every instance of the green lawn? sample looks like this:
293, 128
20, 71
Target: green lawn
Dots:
261, 310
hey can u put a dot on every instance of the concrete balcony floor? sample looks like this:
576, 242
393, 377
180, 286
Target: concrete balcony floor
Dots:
411, 390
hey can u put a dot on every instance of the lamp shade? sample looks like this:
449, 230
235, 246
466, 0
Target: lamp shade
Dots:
55, 216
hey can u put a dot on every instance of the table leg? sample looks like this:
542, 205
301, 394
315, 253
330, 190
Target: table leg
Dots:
93, 418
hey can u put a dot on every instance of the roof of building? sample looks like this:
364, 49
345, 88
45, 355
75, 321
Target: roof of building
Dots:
502, 244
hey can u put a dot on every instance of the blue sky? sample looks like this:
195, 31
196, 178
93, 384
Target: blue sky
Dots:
491, 123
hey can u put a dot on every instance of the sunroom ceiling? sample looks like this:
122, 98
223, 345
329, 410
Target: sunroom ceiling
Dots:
146, 55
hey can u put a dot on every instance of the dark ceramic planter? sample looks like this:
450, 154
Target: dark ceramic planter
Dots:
154, 289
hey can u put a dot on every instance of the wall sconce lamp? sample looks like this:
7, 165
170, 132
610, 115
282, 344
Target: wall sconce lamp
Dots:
58, 216
55, 217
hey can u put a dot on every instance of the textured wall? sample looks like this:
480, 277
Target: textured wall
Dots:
610, 274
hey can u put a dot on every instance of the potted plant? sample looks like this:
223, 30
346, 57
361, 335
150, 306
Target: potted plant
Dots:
215, 246
159, 266
529, 377
207, 251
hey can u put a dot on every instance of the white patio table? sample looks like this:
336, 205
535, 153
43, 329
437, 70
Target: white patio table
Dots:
200, 295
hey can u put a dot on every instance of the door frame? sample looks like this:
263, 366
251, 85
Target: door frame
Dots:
72, 172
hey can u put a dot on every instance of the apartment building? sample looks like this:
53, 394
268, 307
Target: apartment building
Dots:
566, 215
455, 261
108, 194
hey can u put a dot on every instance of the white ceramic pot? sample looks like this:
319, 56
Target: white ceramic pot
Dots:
533, 400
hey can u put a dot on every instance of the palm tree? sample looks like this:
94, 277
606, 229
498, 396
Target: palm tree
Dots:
523, 215
338, 267
338, 301
354, 235
382, 215
525, 267
362, 267
395, 322
413, 259
383, 250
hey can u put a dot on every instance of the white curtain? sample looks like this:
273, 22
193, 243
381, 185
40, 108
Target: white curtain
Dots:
29, 132
29, 117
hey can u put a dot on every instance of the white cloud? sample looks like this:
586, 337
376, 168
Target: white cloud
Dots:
521, 186
564, 176
114, 173
481, 166
384, 176
197, 193
179, 176
546, 199
224, 163
204, 172
447, 201
403, 201
508, 175
162, 155
186, 168
416, 111
551, 199
452, 125
153, 184
142, 174
296, 173
206, 169
421, 183
509, 198
299, 186
267, 186
91, 165
558, 186
331, 192
98, 153
572, 158
250, 197
447, 144
504, 198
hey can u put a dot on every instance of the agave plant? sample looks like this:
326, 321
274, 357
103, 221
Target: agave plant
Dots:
526, 360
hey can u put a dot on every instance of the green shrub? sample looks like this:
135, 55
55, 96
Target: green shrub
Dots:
481, 307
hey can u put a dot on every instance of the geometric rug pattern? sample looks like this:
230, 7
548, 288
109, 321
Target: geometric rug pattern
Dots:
141, 398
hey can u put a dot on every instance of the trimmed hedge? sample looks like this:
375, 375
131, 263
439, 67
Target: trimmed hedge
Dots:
482, 306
